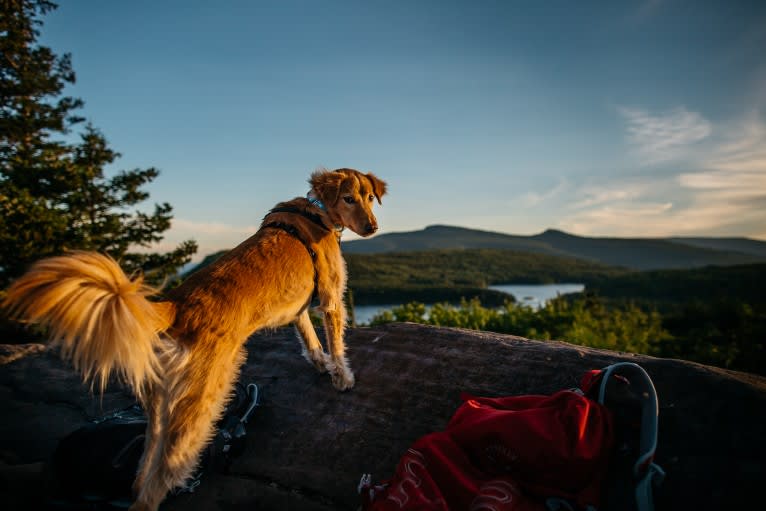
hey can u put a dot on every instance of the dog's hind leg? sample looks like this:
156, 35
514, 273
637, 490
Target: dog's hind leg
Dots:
312, 348
196, 399
155, 406
149, 488
155, 403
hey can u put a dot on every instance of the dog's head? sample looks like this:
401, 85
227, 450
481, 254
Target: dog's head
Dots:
348, 196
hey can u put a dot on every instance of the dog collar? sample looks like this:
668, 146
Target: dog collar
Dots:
314, 201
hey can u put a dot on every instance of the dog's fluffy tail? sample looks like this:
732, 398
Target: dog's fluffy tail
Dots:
101, 318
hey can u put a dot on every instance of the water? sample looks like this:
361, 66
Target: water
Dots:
364, 313
535, 295
532, 295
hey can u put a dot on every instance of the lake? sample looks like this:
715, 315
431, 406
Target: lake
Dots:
533, 295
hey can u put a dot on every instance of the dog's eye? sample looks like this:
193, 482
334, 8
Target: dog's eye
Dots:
370, 197
349, 199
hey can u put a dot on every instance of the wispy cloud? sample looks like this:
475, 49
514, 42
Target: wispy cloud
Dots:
723, 190
210, 236
634, 207
180, 224
657, 138
732, 187
726, 184
621, 219
596, 195
532, 199
743, 146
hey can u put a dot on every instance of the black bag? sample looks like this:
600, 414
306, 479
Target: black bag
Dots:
94, 467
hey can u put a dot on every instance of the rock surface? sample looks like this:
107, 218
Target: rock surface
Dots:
308, 445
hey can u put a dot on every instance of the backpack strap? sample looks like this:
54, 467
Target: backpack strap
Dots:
645, 470
245, 400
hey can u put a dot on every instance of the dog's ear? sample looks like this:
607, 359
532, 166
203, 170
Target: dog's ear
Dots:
326, 185
378, 186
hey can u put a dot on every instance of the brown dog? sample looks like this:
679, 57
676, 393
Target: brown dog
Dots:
181, 354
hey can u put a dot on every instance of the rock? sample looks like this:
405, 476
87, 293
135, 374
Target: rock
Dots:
308, 445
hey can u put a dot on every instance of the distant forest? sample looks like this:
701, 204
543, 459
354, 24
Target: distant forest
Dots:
448, 275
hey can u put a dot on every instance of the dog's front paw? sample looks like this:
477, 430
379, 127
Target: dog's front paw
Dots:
342, 378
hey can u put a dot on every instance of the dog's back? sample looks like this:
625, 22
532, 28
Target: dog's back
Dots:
264, 282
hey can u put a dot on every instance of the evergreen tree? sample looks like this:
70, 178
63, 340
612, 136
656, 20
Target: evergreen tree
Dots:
54, 195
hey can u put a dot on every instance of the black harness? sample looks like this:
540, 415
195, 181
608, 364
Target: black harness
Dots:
293, 231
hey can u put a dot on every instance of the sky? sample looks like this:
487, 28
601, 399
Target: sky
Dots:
625, 118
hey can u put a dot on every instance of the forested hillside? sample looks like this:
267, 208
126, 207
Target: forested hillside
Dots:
448, 275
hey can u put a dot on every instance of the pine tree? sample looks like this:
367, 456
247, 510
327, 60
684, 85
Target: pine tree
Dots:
54, 195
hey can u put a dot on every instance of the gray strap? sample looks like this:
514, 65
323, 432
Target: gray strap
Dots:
644, 469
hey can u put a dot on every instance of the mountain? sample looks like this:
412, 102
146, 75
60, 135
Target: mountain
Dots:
743, 245
633, 253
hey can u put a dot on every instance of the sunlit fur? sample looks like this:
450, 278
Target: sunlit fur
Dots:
181, 353
87, 302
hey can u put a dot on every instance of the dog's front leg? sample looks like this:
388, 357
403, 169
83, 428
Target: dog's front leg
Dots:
312, 348
334, 324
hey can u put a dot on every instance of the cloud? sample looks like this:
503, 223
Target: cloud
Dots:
721, 192
210, 236
743, 148
732, 189
532, 199
597, 195
621, 208
180, 224
612, 219
699, 214
726, 184
737, 165
658, 138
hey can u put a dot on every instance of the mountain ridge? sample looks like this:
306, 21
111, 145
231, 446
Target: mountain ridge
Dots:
634, 253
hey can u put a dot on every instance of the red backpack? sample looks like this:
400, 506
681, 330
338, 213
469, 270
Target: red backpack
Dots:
528, 452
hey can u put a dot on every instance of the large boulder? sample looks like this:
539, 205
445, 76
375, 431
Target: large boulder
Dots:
308, 445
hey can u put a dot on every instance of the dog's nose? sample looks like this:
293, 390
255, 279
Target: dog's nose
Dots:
370, 228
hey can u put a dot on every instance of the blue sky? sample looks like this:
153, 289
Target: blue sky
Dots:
599, 118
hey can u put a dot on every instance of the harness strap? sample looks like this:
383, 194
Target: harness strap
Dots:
292, 231
306, 214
